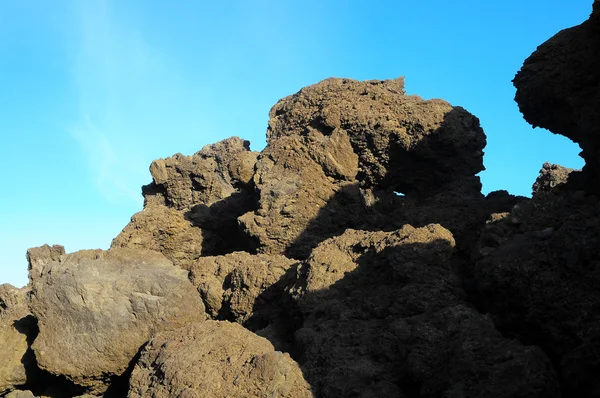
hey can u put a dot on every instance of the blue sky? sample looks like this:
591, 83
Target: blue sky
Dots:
94, 90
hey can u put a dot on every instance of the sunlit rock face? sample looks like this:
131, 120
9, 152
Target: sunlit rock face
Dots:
96, 309
335, 146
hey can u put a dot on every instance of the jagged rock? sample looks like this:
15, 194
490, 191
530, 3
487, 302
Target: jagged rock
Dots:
215, 359
95, 309
165, 230
558, 88
538, 273
385, 316
241, 287
332, 143
551, 176
192, 205
13, 337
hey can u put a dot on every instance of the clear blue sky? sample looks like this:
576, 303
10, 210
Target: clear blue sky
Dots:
92, 91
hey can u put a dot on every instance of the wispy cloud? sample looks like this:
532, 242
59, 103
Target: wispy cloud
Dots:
113, 66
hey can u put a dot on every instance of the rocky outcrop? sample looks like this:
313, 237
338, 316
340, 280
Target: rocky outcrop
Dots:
192, 205
551, 176
386, 316
537, 271
96, 309
215, 359
558, 88
335, 145
14, 331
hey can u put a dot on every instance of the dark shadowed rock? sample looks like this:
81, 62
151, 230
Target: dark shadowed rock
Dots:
215, 359
241, 287
551, 176
332, 144
385, 317
192, 205
538, 274
95, 309
558, 88
13, 337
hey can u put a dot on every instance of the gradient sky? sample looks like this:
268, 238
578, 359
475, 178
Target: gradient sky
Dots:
93, 90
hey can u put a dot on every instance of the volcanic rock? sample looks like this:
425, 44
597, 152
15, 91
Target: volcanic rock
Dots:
215, 359
332, 144
551, 176
95, 309
192, 205
241, 287
538, 272
558, 88
13, 337
386, 316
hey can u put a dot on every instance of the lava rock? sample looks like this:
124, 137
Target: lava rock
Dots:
95, 309
215, 359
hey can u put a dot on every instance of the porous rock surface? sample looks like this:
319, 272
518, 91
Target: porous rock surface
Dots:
558, 88
551, 176
385, 316
537, 270
95, 309
13, 337
331, 143
192, 205
215, 359
241, 287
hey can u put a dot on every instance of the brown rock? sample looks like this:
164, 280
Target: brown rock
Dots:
95, 309
13, 337
215, 359
241, 287
192, 205
551, 176
558, 88
385, 316
332, 143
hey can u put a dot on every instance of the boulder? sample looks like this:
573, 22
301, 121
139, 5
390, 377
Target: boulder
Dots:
558, 88
385, 315
15, 327
331, 145
192, 205
215, 359
241, 287
96, 309
551, 176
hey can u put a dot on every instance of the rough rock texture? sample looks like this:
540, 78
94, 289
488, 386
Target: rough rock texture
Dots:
558, 88
215, 359
333, 142
538, 271
95, 309
386, 317
14, 328
241, 287
20, 394
192, 205
551, 176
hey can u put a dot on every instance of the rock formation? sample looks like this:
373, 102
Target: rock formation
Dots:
13, 337
331, 145
355, 256
558, 88
215, 359
96, 309
192, 205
